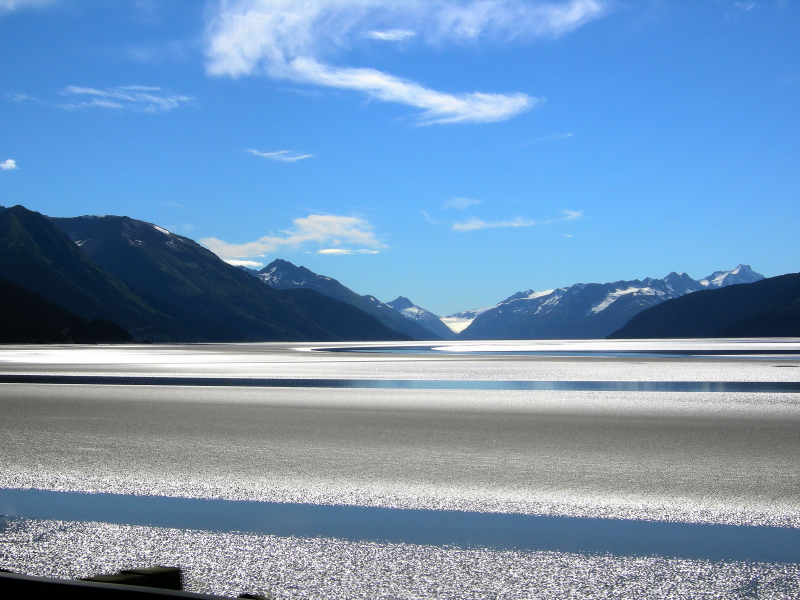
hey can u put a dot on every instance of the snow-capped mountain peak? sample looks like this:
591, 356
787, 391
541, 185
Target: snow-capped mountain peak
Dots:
741, 274
283, 274
517, 296
680, 283
401, 303
419, 315
585, 310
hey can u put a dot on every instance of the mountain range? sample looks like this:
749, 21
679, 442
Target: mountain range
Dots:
582, 310
164, 287
766, 308
161, 286
589, 310
283, 275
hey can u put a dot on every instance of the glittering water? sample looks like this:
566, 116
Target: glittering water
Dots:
697, 454
416, 526
324, 568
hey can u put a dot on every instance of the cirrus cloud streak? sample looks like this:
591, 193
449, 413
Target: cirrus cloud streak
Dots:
281, 155
345, 252
474, 223
286, 39
437, 107
132, 97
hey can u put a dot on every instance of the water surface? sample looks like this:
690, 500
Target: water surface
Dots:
422, 527
542, 469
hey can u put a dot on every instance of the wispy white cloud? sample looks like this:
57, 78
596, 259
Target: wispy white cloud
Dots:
331, 232
281, 155
16, 97
252, 264
429, 218
8, 165
345, 252
132, 97
391, 35
248, 36
437, 107
745, 6
475, 224
286, 39
9, 5
137, 98
460, 203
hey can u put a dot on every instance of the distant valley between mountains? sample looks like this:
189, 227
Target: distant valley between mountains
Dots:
163, 287
581, 311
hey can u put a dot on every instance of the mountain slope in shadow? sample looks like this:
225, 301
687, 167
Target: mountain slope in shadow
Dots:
766, 308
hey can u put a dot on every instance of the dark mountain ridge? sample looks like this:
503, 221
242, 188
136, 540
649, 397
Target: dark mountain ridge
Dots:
283, 275
171, 270
36, 255
161, 286
766, 308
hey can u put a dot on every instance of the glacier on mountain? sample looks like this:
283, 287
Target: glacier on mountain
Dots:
585, 310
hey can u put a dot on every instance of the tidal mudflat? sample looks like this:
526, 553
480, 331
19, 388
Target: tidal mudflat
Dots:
591, 441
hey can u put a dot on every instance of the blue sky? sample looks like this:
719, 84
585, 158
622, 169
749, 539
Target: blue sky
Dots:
452, 151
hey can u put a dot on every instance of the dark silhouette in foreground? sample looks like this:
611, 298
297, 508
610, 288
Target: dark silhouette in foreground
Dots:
134, 584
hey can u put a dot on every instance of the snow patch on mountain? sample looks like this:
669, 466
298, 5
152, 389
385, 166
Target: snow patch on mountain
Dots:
583, 309
611, 297
426, 318
282, 275
274, 276
741, 274
675, 285
526, 295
